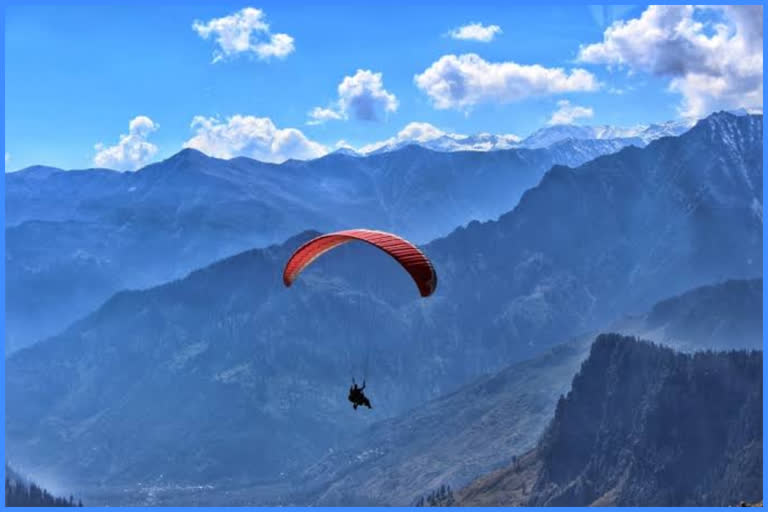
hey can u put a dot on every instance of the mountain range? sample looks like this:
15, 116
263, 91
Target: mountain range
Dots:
640, 135
437, 140
73, 238
611, 237
253, 376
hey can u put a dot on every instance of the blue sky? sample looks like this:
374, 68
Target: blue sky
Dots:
77, 75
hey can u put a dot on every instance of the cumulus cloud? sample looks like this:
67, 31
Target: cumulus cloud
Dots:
712, 55
420, 132
254, 137
460, 82
247, 32
476, 32
567, 113
320, 115
361, 96
132, 151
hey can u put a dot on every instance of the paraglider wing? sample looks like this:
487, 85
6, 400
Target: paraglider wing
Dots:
408, 255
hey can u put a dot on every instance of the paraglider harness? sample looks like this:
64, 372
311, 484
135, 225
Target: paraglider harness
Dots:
357, 397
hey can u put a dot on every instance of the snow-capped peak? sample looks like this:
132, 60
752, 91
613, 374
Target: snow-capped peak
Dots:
545, 137
431, 137
348, 151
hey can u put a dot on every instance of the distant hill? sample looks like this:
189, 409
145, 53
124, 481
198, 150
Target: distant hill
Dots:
643, 426
723, 316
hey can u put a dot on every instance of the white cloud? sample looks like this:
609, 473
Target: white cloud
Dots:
254, 137
246, 31
320, 115
361, 96
713, 64
567, 113
460, 82
476, 32
7, 157
132, 151
420, 132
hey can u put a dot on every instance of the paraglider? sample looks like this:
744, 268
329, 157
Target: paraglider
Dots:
404, 252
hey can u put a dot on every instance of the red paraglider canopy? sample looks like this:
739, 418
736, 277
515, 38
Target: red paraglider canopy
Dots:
408, 255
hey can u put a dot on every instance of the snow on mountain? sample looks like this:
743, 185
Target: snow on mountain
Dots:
545, 137
666, 129
347, 151
489, 142
642, 134
431, 137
